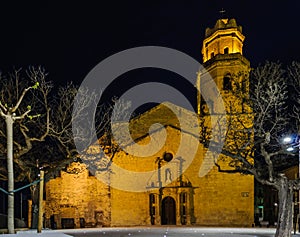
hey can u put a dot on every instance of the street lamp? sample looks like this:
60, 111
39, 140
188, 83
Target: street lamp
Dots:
294, 143
287, 139
290, 148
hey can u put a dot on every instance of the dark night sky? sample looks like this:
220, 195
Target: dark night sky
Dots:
69, 38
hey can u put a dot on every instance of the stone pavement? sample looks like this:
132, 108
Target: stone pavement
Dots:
47, 233
165, 231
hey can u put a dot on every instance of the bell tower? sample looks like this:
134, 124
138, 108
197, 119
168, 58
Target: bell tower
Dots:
225, 38
223, 59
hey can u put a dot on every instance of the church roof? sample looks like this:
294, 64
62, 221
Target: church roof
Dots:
165, 114
222, 24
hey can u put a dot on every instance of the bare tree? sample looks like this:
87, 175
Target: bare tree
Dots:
42, 129
65, 113
253, 135
294, 75
25, 114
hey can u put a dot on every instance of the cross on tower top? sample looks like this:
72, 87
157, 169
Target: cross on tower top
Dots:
222, 12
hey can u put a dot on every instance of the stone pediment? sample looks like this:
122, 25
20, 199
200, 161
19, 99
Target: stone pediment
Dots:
159, 117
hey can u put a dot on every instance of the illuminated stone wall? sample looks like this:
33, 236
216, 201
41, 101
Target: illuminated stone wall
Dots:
292, 173
77, 195
217, 199
224, 199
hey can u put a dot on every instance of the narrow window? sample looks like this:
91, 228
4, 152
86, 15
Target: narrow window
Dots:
152, 208
227, 82
226, 50
153, 211
212, 54
152, 199
183, 198
183, 211
244, 86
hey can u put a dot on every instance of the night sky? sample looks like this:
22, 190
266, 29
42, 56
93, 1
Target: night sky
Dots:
69, 38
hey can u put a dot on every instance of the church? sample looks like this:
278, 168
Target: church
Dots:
177, 190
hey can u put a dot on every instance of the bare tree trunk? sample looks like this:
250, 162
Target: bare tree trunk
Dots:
10, 170
285, 213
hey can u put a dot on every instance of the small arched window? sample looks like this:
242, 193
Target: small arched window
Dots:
226, 50
212, 54
227, 82
244, 86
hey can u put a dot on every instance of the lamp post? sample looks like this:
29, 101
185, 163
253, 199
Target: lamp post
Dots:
295, 143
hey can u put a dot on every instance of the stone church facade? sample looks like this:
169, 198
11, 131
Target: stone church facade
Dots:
174, 193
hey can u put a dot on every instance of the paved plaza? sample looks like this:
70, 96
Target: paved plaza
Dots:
156, 231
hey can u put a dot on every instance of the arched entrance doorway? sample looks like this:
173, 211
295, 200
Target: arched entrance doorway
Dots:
168, 215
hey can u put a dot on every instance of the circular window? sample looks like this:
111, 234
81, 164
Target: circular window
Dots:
168, 156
